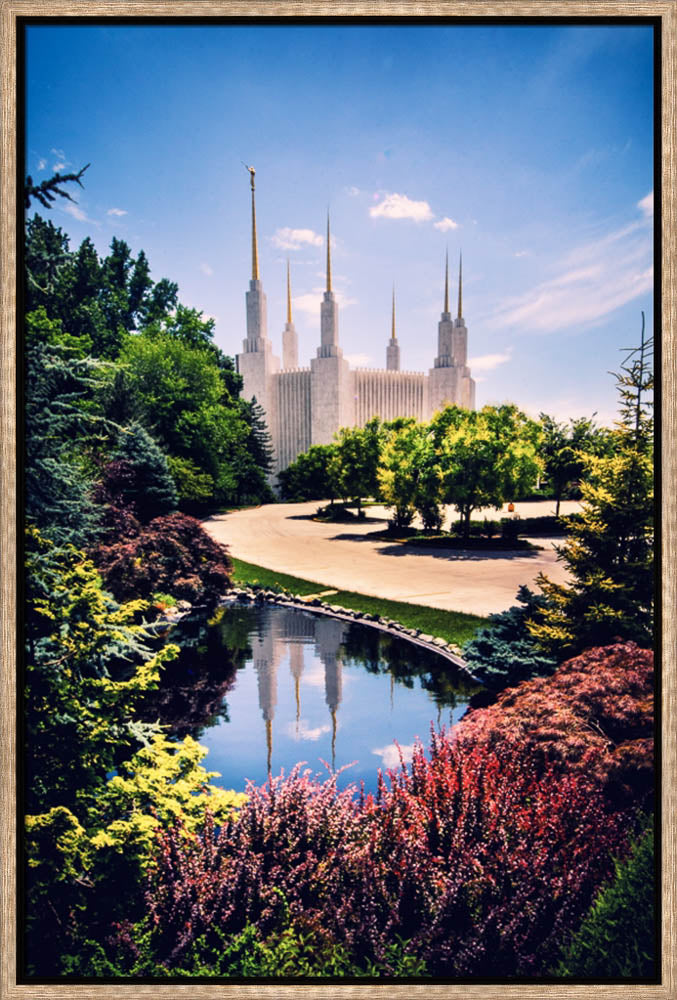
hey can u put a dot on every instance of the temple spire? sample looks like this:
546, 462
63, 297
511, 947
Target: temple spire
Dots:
288, 295
393, 348
460, 285
446, 283
328, 256
255, 249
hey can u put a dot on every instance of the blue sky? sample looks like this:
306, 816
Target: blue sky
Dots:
529, 148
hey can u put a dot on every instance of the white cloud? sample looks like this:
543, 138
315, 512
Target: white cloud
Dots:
523, 253
487, 362
310, 302
61, 160
594, 280
445, 224
359, 360
117, 211
294, 239
563, 408
42, 163
353, 191
75, 211
646, 205
315, 674
399, 206
304, 732
206, 269
390, 755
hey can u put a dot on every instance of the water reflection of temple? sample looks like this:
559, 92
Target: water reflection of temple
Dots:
328, 638
286, 634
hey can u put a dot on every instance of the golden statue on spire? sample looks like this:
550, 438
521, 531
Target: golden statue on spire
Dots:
255, 249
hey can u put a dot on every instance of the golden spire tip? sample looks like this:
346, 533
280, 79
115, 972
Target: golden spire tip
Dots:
394, 335
460, 285
328, 255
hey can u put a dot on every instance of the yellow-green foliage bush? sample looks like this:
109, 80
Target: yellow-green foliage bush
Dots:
99, 782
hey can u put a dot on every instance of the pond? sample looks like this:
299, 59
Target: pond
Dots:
264, 687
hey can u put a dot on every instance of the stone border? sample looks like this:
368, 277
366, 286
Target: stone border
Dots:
435, 644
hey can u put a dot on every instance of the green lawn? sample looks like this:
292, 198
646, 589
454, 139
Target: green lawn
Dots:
454, 626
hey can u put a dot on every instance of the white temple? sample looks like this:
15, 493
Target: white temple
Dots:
306, 406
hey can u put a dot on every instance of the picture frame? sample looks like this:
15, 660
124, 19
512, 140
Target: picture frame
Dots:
11, 13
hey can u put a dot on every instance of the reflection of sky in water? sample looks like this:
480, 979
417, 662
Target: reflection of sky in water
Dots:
304, 695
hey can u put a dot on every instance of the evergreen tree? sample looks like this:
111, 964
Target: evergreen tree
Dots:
61, 431
119, 400
618, 936
139, 475
161, 299
259, 442
46, 254
609, 550
504, 654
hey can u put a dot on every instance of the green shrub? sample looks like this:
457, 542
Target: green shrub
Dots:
503, 654
617, 937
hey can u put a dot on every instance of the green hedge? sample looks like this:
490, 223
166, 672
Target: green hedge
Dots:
617, 937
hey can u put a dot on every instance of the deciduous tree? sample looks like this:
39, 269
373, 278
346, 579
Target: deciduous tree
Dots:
487, 457
609, 550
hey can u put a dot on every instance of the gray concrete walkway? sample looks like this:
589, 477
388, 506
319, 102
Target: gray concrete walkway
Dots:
284, 537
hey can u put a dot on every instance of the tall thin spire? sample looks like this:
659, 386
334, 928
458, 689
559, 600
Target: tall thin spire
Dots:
328, 256
446, 283
393, 334
288, 294
255, 249
460, 285
333, 739
269, 746
393, 348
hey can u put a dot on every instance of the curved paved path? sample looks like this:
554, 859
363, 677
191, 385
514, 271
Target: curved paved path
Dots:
284, 537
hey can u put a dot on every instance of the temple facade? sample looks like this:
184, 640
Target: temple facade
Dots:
308, 405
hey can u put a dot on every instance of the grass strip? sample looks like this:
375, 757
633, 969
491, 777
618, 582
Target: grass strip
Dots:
454, 626
249, 573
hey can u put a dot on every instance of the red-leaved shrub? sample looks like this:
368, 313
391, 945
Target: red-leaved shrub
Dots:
594, 714
483, 854
480, 863
172, 554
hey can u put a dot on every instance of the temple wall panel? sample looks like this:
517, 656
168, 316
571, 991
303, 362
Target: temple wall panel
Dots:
293, 415
388, 394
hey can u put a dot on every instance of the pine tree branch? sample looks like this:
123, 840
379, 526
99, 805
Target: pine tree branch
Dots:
46, 192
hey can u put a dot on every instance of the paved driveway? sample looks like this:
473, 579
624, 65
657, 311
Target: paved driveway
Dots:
284, 537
